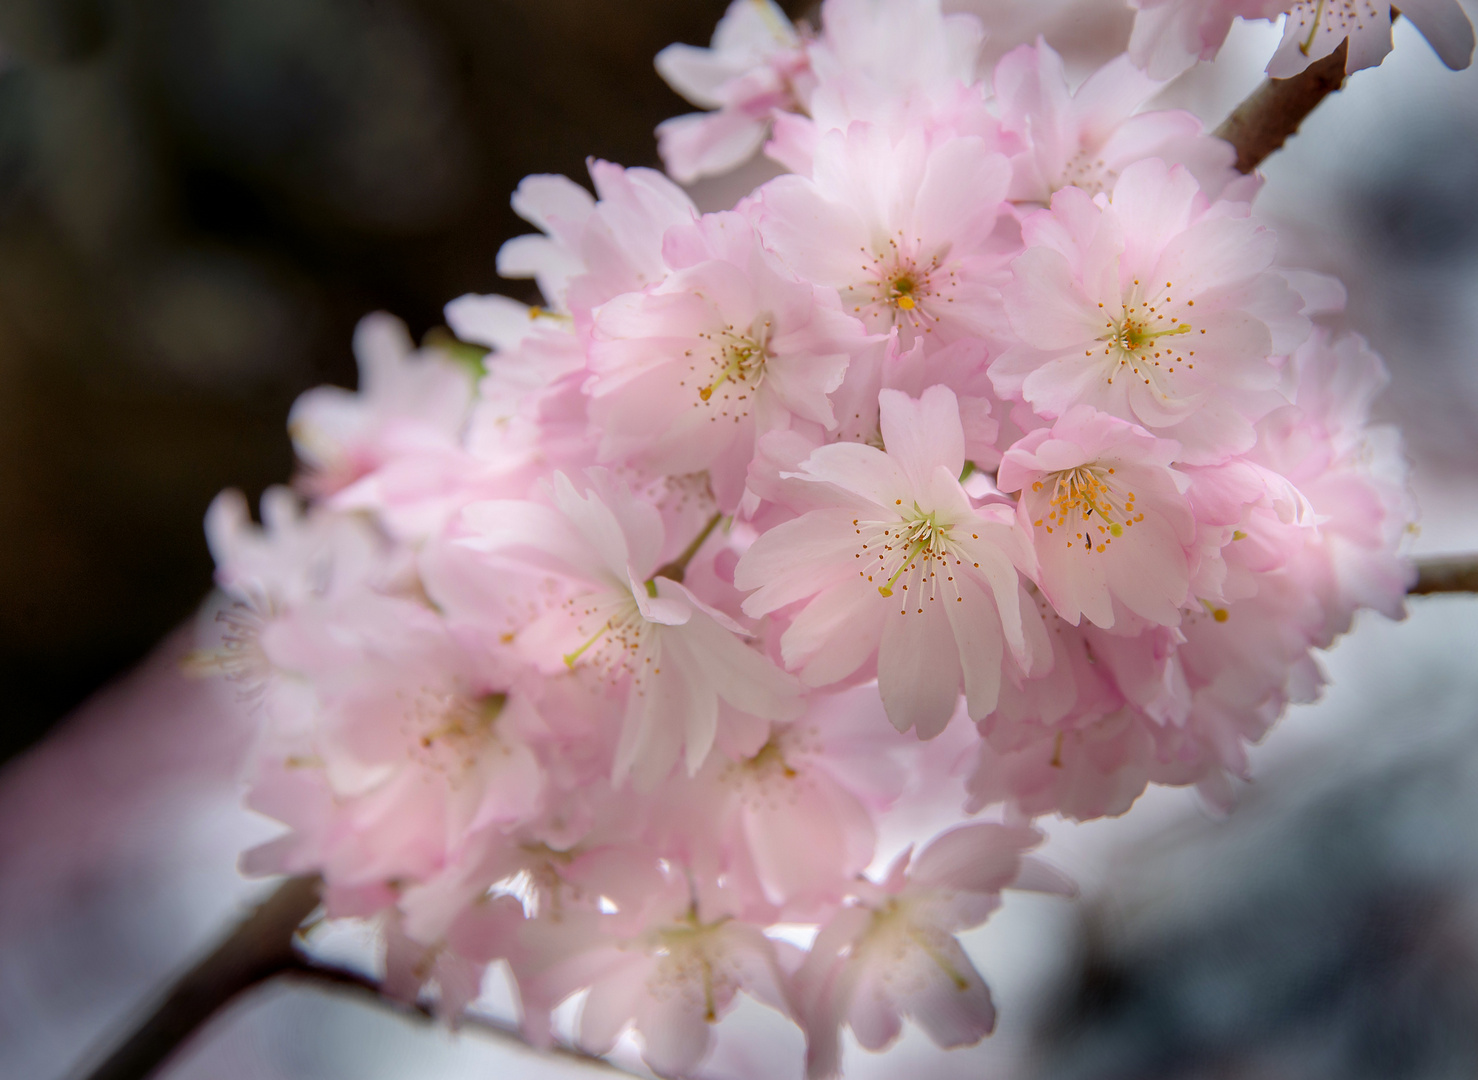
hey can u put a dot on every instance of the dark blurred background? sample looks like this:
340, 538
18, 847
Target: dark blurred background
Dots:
198, 199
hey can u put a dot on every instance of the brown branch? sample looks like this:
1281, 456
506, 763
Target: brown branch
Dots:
1274, 111
260, 947
1452, 573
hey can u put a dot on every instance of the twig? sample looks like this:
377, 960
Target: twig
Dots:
260, 947
1273, 112
1453, 573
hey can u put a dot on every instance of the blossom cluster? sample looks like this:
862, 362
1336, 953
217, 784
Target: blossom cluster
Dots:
985, 461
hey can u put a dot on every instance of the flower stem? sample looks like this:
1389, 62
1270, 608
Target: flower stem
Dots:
679, 565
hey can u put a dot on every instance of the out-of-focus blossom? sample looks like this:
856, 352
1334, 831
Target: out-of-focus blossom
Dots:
893, 952
756, 66
1086, 137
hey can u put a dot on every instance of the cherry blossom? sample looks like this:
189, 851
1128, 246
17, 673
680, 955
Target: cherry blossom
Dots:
989, 462
588, 252
893, 953
757, 65
895, 63
1086, 137
685, 376
1155, 307
407, 400
671, 982
672, 655
1108, 515
941, 600
902, 229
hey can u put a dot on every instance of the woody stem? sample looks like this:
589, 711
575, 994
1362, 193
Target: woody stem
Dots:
259, 949
1274, 111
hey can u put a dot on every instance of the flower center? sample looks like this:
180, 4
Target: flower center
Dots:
452, 730
617, 638
894, 931
1076, 497
736, 369
915, 554
1144, 336
900, 283
693, 963
1087, 171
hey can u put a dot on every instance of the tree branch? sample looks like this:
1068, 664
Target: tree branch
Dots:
260, 947
1274, 111
1452, 573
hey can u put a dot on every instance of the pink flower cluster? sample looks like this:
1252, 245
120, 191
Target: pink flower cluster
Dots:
984, 461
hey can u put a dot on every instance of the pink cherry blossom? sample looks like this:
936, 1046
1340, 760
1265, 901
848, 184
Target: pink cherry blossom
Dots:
1108, 516
781, 492
757, 65
894, 954
802, 805
671, 981
593, 250
1353, 474
1095, 768
1087, 137
1171, 35
962, 366
944, 594
407, 400
903, 229
673, 656
1155, 306
892, 62
1315, 28
685, 376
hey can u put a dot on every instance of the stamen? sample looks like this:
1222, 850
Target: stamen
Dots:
570, 658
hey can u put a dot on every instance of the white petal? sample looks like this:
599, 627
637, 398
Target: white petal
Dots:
918, 666
977, 630
923, 435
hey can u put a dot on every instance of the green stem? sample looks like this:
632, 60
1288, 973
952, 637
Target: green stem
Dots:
679, 565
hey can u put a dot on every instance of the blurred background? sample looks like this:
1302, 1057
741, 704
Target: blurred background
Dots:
199, 198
